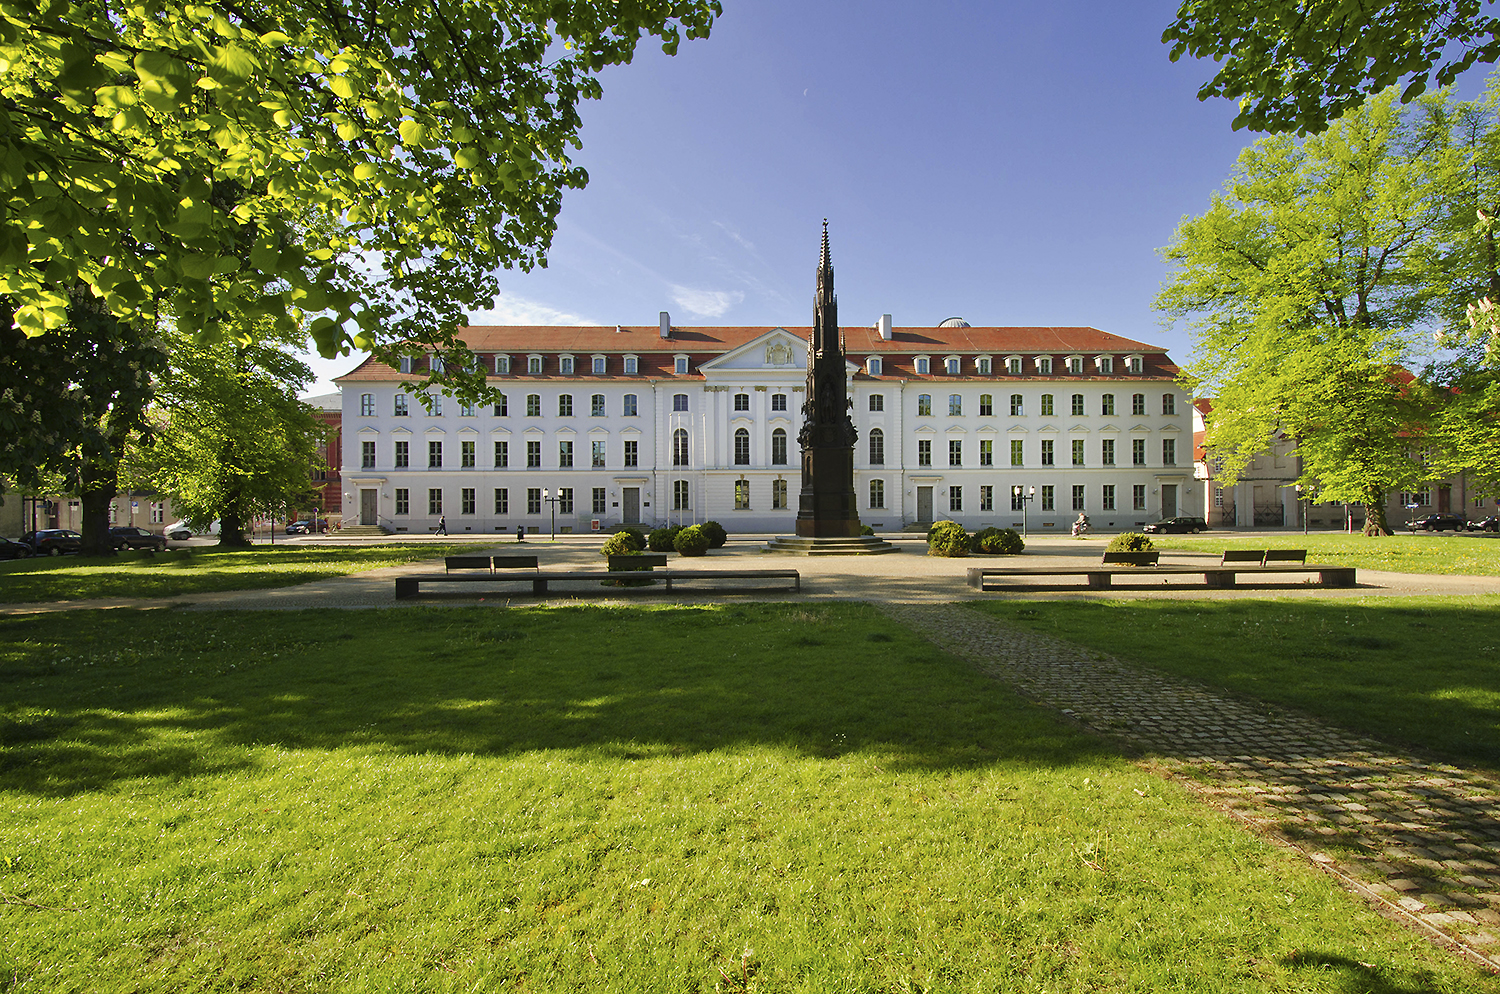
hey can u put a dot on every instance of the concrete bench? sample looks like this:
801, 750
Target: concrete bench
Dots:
1102, 577
1233, 556
541, 580
1131, 558
1285, 556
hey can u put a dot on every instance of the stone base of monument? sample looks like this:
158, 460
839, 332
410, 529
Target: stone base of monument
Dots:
859, 545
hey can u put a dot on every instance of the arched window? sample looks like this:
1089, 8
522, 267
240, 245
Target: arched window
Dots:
778, 447
742, 447
680, 447
877, 447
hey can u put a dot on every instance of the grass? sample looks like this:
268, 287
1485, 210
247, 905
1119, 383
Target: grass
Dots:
589, 798
1458, 554
1418, 672
183, 572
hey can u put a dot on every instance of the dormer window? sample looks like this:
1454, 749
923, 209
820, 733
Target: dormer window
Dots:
404, 364
1134, 363
1044, 365
435, 363
601, 365
502, 364
1075, 364
982, 365
680, 365
922, 365
1105, 364
534, 365
1013, 365
873, 366
565, 365
632, 365
952, 365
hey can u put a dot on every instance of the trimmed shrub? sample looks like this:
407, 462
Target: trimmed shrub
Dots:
635, 530
662, 539
999, 541
1130, 542
621, 544
717, 536
691, 541
867, 530
947, 538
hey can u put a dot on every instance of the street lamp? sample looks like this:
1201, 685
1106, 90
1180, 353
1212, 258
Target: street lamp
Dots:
1017, 496
549, 497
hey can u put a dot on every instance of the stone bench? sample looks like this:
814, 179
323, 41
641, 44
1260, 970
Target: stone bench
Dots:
541, 580
1102, 577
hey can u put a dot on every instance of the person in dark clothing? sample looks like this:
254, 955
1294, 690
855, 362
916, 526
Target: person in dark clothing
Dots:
442, 528
520, 533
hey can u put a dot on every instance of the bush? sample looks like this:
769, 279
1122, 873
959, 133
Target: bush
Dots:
947, 538
635, 530
622, 543
662, 539
867, 530
717, 536
691, 541
1130, 542
999, 541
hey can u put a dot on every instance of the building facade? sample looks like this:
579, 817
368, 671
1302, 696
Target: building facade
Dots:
600, 426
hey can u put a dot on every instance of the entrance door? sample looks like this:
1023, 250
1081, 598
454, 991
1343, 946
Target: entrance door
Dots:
924, 503
632, 505
1169, 500
367, 507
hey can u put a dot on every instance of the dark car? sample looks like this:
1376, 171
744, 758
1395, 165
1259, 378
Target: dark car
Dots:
1440, 522
13, 550
1188, 525
1490, 524
299, 528
53, 541
131, 537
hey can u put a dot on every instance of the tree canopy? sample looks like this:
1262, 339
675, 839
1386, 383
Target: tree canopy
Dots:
167, 154
1296, 65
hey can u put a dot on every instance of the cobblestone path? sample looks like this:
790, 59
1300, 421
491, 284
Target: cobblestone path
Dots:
1423, 838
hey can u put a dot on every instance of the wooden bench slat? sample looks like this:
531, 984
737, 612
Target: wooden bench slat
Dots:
1132, 558
467, 562
515, 562
1242, 556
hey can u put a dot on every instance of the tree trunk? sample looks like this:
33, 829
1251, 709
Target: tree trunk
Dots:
1375, 521
100, 485
232, 524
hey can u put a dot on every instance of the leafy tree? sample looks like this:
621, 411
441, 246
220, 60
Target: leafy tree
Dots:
70, 403
433, 138
1297, 65
235, 441
1303, 280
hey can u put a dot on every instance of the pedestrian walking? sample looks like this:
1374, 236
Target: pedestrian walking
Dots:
442, 528
520, 533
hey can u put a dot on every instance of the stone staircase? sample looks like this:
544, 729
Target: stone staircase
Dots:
363, 531
862, 545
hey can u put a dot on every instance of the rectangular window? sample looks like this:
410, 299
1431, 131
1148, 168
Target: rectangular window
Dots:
434, 455
367, 455
632, 365
1078, 497
986, 406
1044, 366
680, 447
679, 402
680, 495
1107, 497
955, 452
1075, 364
600, 365
1077, 404
877, 495
1017, 452
1013, 366
1016, 503
955, 405
565, 455
437, 405
1107, 405
680, 365
924, 405
873, 366
922, 366
466, 500
565, 500
400, 408
466, 410
1169, 452
502, 364
628, 407
403, 500
1138, 496
778, 447
778, 402
1077, 452
367, 405
632, 453
877, 447
1106, 364
533, 455
565, 365
1137, 404
158, 513
601, 500
955, 498
1049, 498
502, 500
877, 402
565, 405
502, 407
1046, 405
502, 455
1218, 496
596, 459
434, 501
1137, 452
404, 364
924, 452
1047, 455
986, 452
533, 500
952, 366
1107, 452
1169, 403
778, 495
742, 402
986, 498
742, 495
466, 455
533, 405
596, 406
1017, 405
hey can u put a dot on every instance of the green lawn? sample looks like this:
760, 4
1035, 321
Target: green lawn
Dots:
1461, 554
750, 798
198, 571
1421, 672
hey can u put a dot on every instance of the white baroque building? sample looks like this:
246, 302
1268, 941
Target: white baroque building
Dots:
662, 425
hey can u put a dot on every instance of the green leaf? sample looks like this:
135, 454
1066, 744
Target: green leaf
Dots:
412, 133
466, 158
341, 86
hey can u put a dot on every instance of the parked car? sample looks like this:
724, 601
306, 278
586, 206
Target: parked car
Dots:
53, 541
13, 550
299, 528
1490, 524
181, 531
1179, 524
1440, 522
131, 537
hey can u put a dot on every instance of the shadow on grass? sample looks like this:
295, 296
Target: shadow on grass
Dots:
97, 697
1364, 978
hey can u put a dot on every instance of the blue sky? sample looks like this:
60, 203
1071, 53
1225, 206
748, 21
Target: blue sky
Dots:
1011, 163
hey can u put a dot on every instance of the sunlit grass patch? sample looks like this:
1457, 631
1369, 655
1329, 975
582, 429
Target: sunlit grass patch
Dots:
1458, 554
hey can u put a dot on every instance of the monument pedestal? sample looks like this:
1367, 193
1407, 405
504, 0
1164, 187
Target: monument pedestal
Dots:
858, 545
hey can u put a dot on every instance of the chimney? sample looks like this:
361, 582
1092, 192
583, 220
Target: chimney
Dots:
666, 325
884, 326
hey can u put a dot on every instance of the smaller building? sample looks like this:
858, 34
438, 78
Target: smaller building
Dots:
327, 478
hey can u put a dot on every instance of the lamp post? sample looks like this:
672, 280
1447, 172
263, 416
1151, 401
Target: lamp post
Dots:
549, 497
1018, 495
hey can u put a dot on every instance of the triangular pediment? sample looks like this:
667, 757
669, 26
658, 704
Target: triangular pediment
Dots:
1144, 428
778, 350
1078, 429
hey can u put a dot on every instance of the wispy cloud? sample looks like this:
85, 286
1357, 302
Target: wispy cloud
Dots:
513, 309
705, 303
